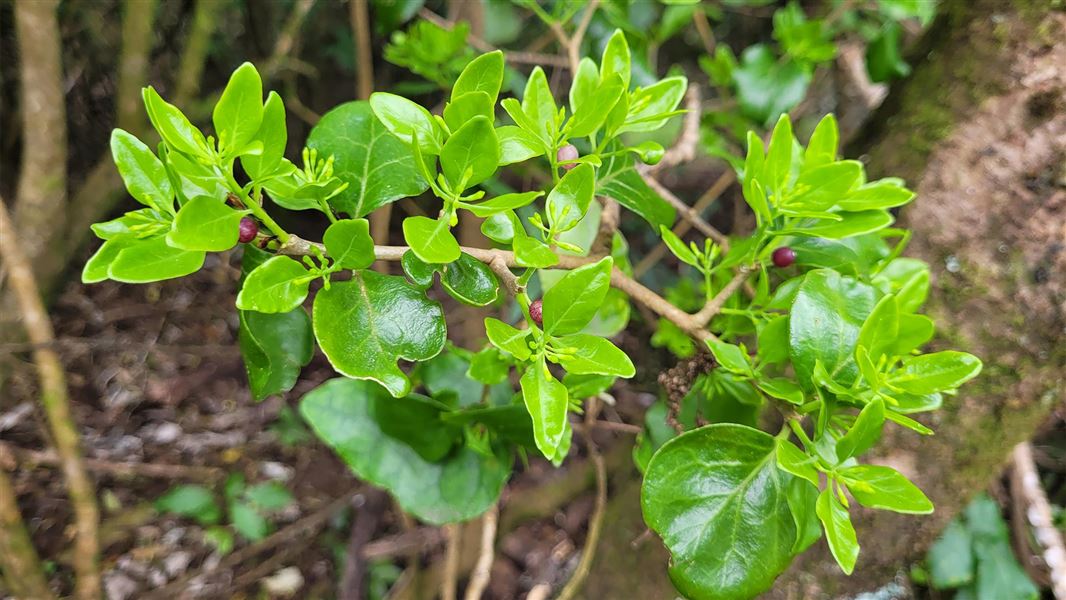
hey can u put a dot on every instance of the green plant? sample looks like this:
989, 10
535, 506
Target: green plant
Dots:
974, 556
836, 335
246, 508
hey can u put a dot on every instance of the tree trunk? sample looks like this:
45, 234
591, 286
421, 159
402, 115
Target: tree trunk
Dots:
980, 130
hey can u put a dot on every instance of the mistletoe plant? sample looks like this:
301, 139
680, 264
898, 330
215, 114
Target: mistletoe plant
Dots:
832, 308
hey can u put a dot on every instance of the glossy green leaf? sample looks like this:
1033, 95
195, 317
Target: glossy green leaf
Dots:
569, 200
483, 74
431, 239
546, 401
651, 107
795, 461
595, 110
913, 403
678, 247
471, 154
273, 135
239, 111
511, 423
908, 280
880, 331
618, 179
470, 281
517, 145
876, 195
936, 372
839, 531
466, 107
572, 302
502, 203
531, 252
407, 120
803, 504
914, 332
276, 286
822, 147
718, 500
444, 375
778, 166
538, 104
489, 366
349, 244
851, 224
96, 268
827, 315
460, 487
173, 126
730, 357
378, 167
420, 273
205, 224
823, 187
767, 86
875, 486
275, 348
781, 388
142, 172
864, 433
153, 260
584, 85
507, 338
368, 323
615, 59
595, 356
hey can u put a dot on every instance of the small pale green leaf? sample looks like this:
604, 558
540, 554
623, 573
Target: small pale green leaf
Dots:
615, 60
406, 120
517, 145
471, 154
193, 501
276, 286
822, 147
864, 433
142, 172
546, 401
781, 388
569, 200
880, 332
349, 244
572, 302
730, 356
502, 203
507, 338
778, 166
466, 107
839, 531
678, 247
205, 224
173, 126
239, 111
531, 252
595, 356
153, 259
936, 372
273, 135
431, 239
876, 195
483, 74
875, 486
795, 461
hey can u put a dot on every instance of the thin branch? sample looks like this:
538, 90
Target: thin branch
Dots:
716, 303
510, 281
31, 458
479, 579
451, 562
283, 46
512, 56
21, 566
592, 540
541, 591
688, 213
297, 246
684, 149
56, 403
365, 519
1026, 483
364, 71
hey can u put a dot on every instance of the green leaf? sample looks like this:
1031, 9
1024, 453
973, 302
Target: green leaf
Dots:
445, 374
470, 281
585, 83
193, 501
824, 325
880, 331
595, 356
951, 559
884, 59
876, 195
173, 126
569, 200
730, 356
825, 185
839, 531
651, 107
595, 110
420, 273
368, 323
912, 403
407, 120
205, 224
908, 280
273, 135
415, 421
864, 433
502, 203
277, 286
572, 302
142, 172
489, 366
269, 496
483, 74
99, 263
781, 388
766, 86
618, 179
349, 244
507, 338
678, 247
885, 488
431, 239
153, 259
615, 60
378, 167
517, 145
803, 504
795, 461
778, 166
471, 154
851, 224
538, 105
546, 401
239, 111
822, 147
717, 498
248, 522
460, 487
275, 348
466, 107
936, 372
531, 252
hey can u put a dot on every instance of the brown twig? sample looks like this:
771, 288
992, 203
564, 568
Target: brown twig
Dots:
688, 213
715, 303
1025, 484
577, 580
364, 522
304, 528
684, 149
479, 578
510, 281
364, 71
31, 458
572, 44
56, 403
21, 566
452, 534
541, 591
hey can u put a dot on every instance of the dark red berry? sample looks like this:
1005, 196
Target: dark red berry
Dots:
249, 229
567, 152
536, 311
784, 257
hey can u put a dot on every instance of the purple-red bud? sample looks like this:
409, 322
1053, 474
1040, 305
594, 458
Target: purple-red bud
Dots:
536, 312
566, 153
249, 229
783, 257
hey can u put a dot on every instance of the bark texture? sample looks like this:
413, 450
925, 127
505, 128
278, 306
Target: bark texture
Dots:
980, 132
